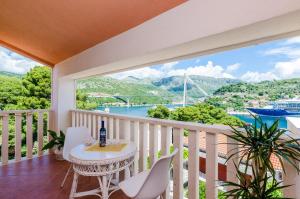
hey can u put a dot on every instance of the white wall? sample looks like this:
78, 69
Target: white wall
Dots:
194, 28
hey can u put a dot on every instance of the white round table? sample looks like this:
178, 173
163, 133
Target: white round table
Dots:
103, 165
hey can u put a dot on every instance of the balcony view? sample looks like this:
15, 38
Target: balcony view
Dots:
138, 103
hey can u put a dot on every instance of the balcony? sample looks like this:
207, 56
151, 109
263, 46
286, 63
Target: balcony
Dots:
40, 174
82, 39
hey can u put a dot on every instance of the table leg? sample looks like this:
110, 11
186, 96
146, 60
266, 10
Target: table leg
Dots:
74, 185
104, 187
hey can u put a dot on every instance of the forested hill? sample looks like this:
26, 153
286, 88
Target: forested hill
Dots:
243, 94
195, 84
151, 90
9, 74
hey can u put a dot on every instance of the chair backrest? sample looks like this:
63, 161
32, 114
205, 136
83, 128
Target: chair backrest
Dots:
158, 178
74, 137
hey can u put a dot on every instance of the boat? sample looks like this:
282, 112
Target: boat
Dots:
279, 108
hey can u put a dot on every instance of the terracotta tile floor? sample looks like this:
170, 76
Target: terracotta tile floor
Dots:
40, 178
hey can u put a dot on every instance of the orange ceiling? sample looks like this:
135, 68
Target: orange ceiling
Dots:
50, 31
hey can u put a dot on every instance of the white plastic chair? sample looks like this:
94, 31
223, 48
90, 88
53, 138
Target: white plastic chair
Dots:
149, 184
74, 137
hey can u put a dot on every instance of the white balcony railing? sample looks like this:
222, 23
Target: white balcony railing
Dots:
152, 135
22, 120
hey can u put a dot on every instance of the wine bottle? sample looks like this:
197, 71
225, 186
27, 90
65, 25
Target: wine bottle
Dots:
102, 135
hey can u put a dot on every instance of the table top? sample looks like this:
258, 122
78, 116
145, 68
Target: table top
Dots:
80, 153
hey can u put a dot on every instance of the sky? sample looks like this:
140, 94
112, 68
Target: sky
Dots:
278, 59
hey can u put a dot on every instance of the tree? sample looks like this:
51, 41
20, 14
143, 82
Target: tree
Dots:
160, 112
201, 112
36, 89
83, 102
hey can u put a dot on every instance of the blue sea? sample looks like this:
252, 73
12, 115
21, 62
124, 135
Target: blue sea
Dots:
142, 111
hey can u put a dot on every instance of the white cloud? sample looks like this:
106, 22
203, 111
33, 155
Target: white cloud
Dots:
167, 70
209, 70
139, 73
287, 51
251, 76
169, 66
233, 67
288, 69
294, 40
12, 62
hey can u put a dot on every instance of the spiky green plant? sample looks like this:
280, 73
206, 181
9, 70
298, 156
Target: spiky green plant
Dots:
56, 141
256, 144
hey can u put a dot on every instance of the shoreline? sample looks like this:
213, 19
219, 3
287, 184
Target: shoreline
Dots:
238, 113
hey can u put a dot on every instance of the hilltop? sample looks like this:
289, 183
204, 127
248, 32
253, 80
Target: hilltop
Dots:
174, 84
150, 90
10, 74
241, 95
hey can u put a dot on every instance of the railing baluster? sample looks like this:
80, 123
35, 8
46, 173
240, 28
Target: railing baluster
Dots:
166, 138
77, 119
136, 141
232, 148
98, 126
80, 119
84, 119
73, 118
94, 131
29, 144
211, 166
40, 133
153, 143
193, 162
4, 145
127, 129
89, 123
111, 128
144, 144
178, 164
18, 136
117, 127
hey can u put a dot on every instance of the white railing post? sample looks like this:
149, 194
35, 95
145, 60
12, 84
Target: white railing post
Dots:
73, 119
211, 166
5, 132
144, 144
193, 164
29, 144
166, 138
136, 133
178, 164
18, 136
111, 127
153, 150
40, 133
232, 148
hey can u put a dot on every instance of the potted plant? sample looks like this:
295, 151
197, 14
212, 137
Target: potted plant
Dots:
56, 143
257, 143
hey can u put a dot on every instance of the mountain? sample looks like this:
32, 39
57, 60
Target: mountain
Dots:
104, 88
10, 74
197, 86
150, 90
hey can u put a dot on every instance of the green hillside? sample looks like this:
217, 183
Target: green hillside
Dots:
138, 93
150, 91
241, 95
10, 74
174, 84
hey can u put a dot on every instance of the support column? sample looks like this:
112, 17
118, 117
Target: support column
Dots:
63, 99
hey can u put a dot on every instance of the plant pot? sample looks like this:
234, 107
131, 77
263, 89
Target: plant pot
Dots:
59, 154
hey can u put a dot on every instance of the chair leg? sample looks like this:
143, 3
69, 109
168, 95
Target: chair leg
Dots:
63, 182
74, 185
